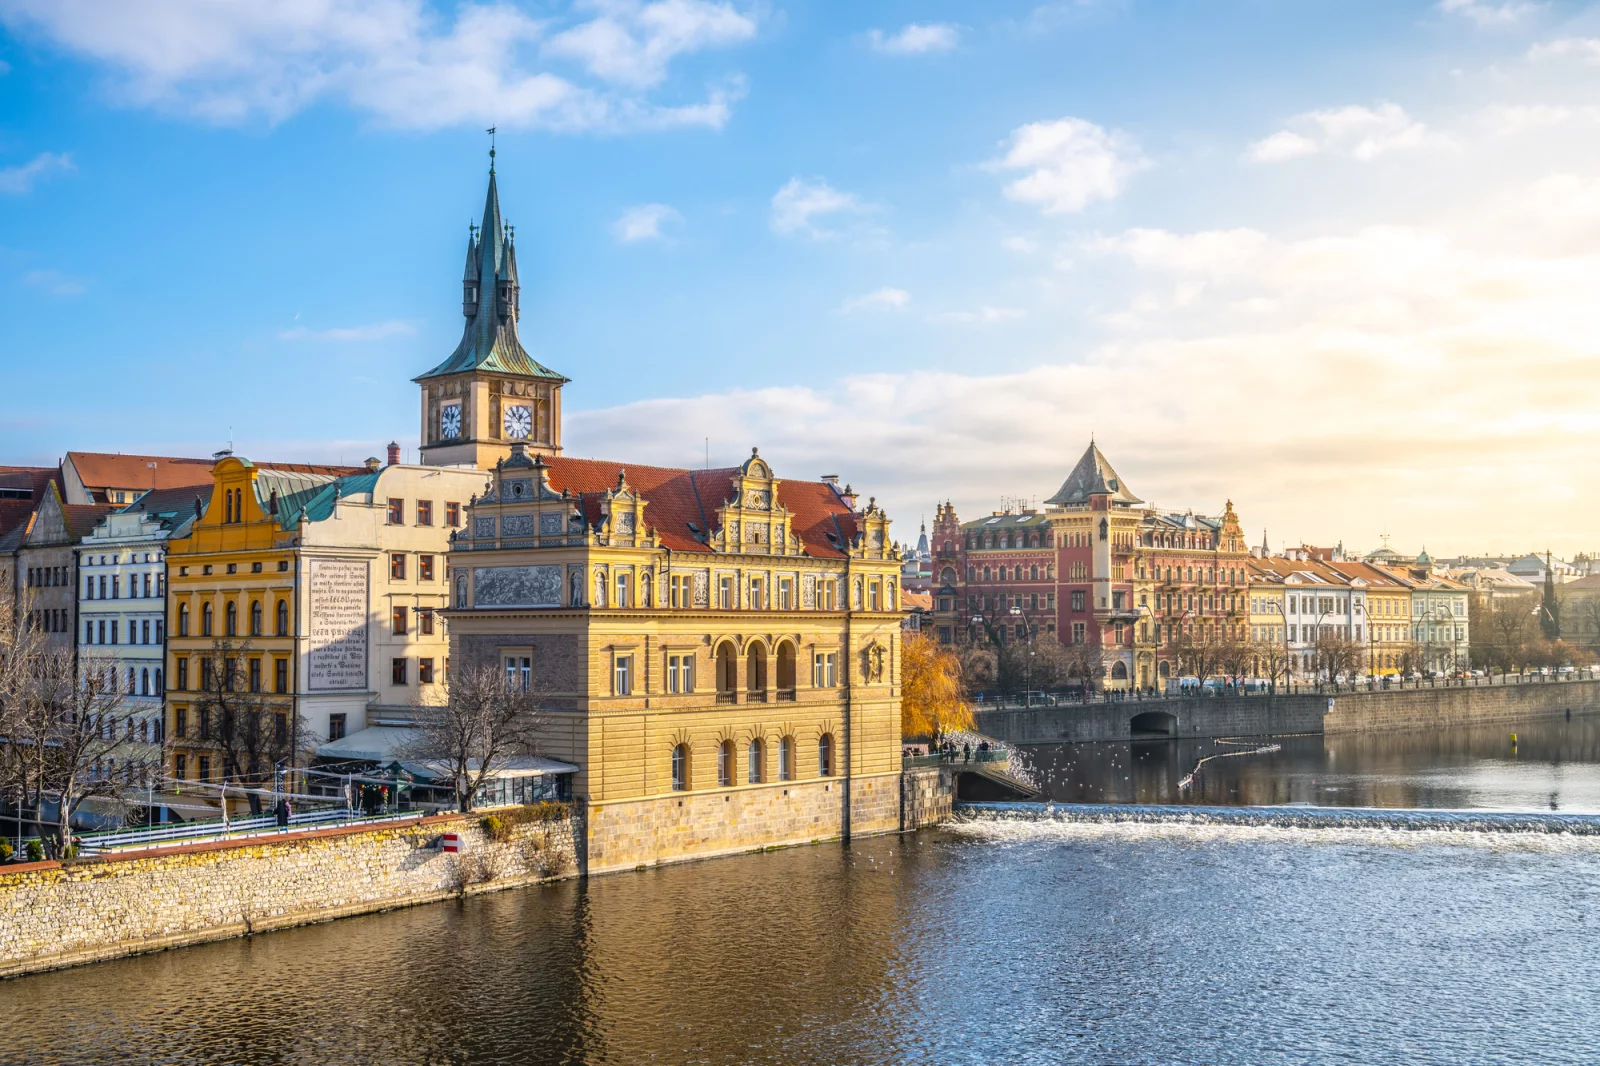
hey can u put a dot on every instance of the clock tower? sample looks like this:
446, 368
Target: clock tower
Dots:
490, 393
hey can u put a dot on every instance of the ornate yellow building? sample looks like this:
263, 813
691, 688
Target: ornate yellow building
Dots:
718, 649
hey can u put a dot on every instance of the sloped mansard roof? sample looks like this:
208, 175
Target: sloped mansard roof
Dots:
1093, 476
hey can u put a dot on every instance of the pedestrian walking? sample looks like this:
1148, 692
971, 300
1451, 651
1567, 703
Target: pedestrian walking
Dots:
281, 813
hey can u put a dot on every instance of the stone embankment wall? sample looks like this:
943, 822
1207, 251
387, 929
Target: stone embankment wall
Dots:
927, 797
54, 914
1433, 708
1222, 716
697, 825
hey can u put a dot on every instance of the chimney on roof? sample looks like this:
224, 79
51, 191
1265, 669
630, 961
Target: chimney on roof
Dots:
831, 479
221, 454
372, 464
394, 454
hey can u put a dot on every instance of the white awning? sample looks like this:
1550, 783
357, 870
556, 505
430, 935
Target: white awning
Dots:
376, 743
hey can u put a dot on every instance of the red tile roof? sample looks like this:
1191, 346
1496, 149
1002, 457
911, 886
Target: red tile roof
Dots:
99, 470
32, 478
678, 498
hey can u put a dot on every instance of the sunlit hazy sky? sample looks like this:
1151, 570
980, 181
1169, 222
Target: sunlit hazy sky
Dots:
1336, 261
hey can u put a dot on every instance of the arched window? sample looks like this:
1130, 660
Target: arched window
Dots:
1033, 573
786, 668
255, 618
727, 672
755, 673
183, 619
144, 682
680, 768
283, 618
757, 770
159, 690
205, 620
725, 764
133, 687
825, 755
786, 759
1119, 670
231, 619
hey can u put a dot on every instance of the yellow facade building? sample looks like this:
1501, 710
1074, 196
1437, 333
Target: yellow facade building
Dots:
326, 584
718, 650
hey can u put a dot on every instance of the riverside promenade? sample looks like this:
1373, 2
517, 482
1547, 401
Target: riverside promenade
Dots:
1331, 710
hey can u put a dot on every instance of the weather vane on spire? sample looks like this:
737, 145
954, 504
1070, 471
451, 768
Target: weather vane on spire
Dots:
490, 132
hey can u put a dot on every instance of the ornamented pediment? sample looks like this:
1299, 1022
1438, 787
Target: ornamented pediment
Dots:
753, 520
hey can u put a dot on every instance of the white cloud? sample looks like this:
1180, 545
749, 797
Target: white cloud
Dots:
643, 223
880, 300
801, 200
983, 316
1489, 13
1356, 132
1070, 163
20, 179
374, 332
1389, 373
55, 282
398, 60
1020, 245
632, 43
1583, 49
918, 38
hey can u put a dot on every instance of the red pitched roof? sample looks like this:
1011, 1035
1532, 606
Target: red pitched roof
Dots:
678, 498
32, 478
81, 518
100, 470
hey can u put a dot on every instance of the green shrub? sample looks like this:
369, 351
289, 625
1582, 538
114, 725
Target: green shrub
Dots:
496, 828
6, 850
35, 850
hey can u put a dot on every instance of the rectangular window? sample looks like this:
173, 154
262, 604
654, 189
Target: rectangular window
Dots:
424, 568
827, 593
280, 675
825, 669
180, 766
758, 594
519, 673
205, 724
424, 671
425, 621
397, 566
424, 512
680, 590
113, 631
624, 589
102, 625
397, 671
180, 727
873, 592
205, 768
1077, 600
452, 515
144, 632
336, 725
397, 512
624, 675
680, 673
398, 617
183, 675
255, 675
1079, 632
725, 592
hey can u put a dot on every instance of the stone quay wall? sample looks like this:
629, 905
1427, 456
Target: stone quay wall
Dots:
626, 834
927, 796
1353, 712
54, 914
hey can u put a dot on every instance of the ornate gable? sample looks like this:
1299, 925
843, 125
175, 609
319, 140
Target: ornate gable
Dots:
752, 521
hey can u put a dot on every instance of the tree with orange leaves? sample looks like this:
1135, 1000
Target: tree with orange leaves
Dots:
932, 692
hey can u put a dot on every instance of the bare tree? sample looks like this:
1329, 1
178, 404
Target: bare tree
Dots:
1334, 655
487, 718
67, 734
251, 732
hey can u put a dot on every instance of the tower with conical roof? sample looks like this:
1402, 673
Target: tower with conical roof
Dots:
489, 393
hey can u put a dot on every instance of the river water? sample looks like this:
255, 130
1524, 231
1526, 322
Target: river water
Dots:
1553, 764
998, 940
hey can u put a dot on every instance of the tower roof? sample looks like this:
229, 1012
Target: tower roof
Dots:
489, 341
1093, 476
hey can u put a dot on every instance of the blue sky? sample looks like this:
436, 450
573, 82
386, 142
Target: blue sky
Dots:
1334, 261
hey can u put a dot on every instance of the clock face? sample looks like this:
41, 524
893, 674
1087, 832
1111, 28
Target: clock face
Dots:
450, 421
518, 422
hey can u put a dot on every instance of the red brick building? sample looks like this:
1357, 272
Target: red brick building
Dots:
1097, 566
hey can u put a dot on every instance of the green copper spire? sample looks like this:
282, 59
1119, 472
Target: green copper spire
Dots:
491, 301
